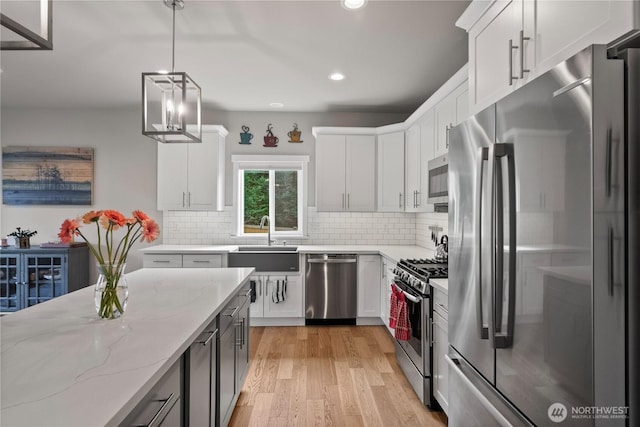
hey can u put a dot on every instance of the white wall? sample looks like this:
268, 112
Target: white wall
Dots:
124, 165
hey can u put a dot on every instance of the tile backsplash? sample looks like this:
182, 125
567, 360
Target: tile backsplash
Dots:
424, 221
329, 228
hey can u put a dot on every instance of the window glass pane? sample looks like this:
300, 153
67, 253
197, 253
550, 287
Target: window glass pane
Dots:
286, 200
256, 200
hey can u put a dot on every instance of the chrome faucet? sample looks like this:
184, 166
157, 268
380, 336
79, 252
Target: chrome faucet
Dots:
268, 221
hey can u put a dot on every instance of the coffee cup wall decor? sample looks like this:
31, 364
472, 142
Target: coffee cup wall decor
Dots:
270, 140
294, 135
245, 136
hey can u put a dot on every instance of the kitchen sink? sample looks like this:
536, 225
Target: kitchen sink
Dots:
266, 248
265, 258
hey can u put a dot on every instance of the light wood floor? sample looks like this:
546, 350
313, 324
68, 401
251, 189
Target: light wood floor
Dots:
327, 376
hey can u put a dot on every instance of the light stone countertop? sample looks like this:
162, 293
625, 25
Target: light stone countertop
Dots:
441, 284
393, 252
63, 366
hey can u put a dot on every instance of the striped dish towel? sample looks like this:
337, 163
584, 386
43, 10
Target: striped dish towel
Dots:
393, 310
402, 332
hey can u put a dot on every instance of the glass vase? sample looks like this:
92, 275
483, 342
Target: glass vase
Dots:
112, 291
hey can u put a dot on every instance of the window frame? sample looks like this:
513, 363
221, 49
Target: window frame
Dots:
270, 163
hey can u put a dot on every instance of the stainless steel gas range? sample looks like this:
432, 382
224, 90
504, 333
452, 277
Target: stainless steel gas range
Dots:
415, 355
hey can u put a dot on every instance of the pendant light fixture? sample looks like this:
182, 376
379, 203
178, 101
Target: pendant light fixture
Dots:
171, 101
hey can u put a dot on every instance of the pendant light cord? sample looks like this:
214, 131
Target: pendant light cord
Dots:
173, 41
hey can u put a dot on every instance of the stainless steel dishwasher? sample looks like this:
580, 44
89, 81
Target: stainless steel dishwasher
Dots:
331, 289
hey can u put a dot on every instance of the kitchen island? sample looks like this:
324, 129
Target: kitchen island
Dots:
61, 365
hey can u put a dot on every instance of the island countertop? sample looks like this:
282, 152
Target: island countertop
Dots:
63, 366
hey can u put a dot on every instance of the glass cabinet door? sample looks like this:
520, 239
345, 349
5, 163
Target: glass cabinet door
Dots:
44, 278
9, 284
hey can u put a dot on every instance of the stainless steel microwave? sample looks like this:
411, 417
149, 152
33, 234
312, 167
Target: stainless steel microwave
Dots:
439, 180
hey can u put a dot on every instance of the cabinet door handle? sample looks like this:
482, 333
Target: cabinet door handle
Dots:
522, 40
511, 76
156, 418
418, 198
209, 338
400, 200
240, 341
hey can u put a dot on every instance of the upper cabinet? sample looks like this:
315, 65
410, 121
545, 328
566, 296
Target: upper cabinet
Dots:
413, 169
449, 112
345, 169
391, 195
191, 175
513, 41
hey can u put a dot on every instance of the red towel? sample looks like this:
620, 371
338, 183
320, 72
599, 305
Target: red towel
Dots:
402, 332
393, 311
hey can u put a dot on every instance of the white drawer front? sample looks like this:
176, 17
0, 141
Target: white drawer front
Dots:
162, 261
202, 261
441, 302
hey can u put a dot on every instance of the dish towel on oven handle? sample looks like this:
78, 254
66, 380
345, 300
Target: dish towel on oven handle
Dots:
402, 332
393, 309
279, 292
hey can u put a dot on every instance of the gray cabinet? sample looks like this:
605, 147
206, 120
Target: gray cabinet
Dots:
233, 361
31, 276
201, 364
162, 406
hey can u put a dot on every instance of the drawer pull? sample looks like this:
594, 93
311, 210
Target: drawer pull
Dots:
234, 312
201, 261
161, 261
156, 418
209, 338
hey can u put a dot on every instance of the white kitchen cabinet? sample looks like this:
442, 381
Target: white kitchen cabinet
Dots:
345, 172
440, 349
513, 41
391, 172
179, 260
413, 169
266, 304
369, 286
388, 266
191, 175
453, 109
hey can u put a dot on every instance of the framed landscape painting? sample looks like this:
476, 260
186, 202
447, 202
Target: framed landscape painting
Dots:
47, 175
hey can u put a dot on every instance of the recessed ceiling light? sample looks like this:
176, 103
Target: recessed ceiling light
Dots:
336, 76
353, 4
276, 105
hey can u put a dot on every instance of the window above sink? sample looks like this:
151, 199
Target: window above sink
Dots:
274, 187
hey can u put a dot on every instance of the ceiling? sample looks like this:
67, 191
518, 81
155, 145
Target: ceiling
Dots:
244, 54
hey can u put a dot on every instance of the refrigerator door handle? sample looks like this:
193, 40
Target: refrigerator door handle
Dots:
483, 156
505, 339
491, 244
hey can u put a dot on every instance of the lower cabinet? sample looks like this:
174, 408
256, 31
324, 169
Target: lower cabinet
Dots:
202, 363
234, 353
162, 406
276, 296
386, 280
368, 285
440, 348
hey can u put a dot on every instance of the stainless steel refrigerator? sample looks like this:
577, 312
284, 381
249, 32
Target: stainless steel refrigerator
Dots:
543, 251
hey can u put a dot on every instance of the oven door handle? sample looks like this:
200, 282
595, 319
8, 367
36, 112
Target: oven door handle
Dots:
411, 297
